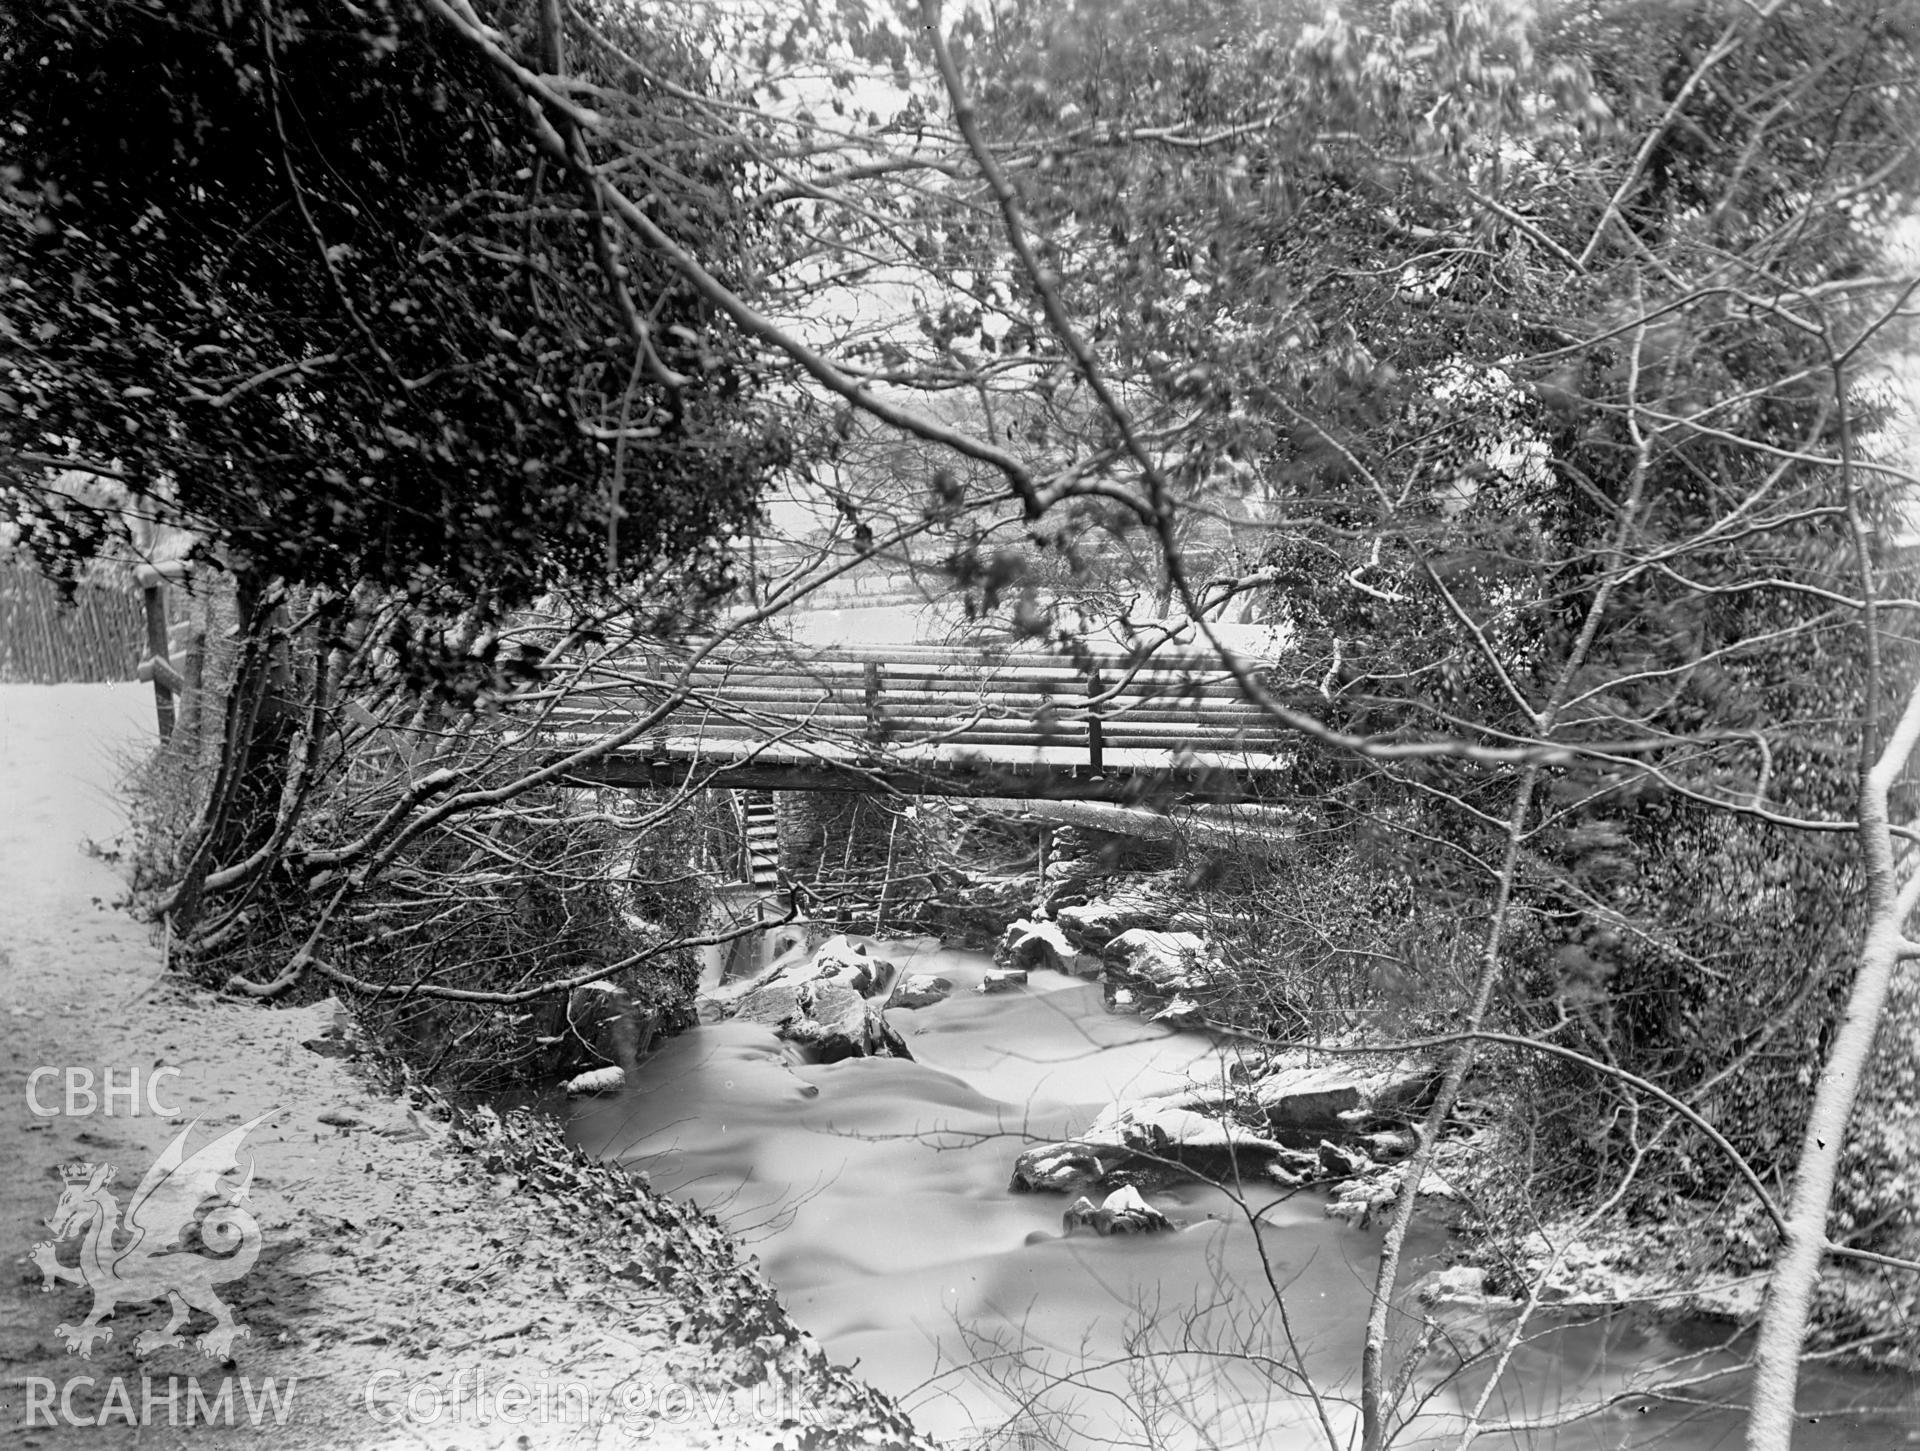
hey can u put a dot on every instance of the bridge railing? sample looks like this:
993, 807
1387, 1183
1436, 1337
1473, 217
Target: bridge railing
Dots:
932, 708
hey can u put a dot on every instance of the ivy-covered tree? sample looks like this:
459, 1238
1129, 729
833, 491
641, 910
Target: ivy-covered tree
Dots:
287, 275
301, 287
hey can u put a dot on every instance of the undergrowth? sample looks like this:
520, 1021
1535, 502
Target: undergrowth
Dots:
449, 950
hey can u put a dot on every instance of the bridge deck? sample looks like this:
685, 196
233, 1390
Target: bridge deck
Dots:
929, 721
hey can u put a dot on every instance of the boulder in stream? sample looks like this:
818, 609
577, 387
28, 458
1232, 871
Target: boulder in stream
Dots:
607, 1033
773, 1004
1302, 1165
1002, 979
920, 990
1471, 1320
1056, 1168
1304, 1103
1461, 1283
1285, 1177
1090, 926
830, 1019
610, 1079
1121, 1212
1297, 1122
1027, 944
1390, 1145
837, 960
1163, 1141
1340, 1162
1167, 1130
1182, 1012
1166, 963
849, 964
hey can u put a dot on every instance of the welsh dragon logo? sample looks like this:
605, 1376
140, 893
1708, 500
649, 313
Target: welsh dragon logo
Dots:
173, 1243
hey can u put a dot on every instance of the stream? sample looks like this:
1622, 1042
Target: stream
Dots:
874, 1193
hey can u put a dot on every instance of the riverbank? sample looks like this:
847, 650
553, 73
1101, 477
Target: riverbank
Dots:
418, 1280
1693, 1266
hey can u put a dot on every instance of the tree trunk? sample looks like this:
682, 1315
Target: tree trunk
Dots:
154, 603
1783, 1324
260, 722
260, 769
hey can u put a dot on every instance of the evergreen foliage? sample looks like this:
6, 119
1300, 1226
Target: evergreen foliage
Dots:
286, 269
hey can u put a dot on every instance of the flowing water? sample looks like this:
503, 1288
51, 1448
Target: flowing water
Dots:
874, 1193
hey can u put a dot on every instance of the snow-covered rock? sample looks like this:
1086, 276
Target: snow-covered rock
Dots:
1303, 1164
1298, 1122
920, 990
1056, 1168
1165, 962
1473, 1321
1390, 1145
1340, 1162
1307, 1100
1121, 1212
605, 1030
837, 960
1002, 980
829, 1018
1314, 1101
1468, 1282
610, 1079
848, 963
1090, 926
773, 1004
1028, 944
1182, 1012
1161, 1129
1360, 1198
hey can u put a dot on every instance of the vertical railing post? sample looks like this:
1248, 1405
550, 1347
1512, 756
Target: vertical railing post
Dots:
657, 740
743, 823
1096, 739
873, 709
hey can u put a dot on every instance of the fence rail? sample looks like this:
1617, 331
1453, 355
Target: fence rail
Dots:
46, 640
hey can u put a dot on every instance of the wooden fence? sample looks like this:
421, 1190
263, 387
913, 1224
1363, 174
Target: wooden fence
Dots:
44, 640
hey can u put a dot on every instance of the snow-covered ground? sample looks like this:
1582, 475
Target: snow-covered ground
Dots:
408, 1271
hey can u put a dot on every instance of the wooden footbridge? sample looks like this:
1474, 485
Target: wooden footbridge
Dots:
927, 720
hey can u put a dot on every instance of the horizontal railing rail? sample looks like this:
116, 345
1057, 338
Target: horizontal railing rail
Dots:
942, 720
